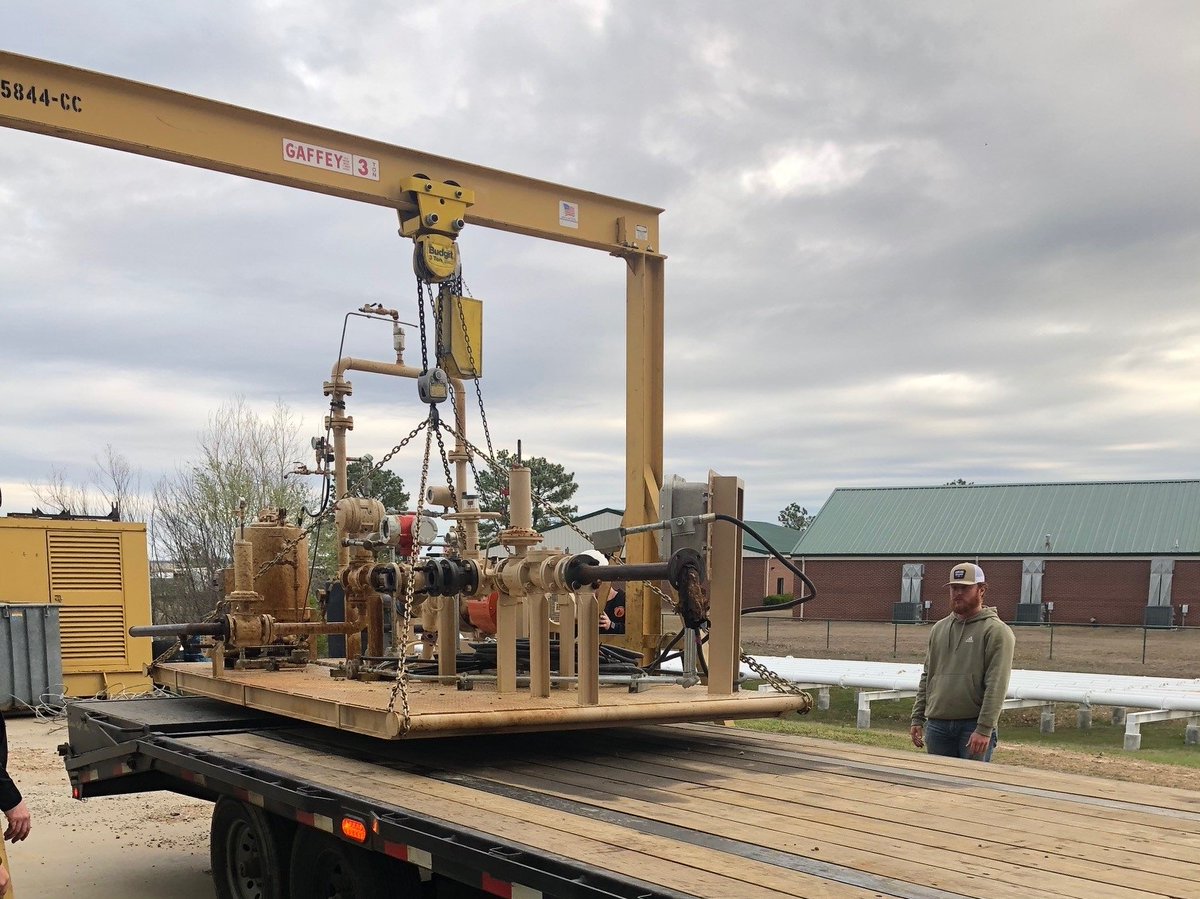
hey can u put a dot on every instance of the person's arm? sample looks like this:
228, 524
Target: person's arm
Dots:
10, 796
11, 803
19, 822
916, 731
997, 670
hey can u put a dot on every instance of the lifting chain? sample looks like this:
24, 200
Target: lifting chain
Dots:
462, 318
500, 470
445, 470
421, 321
780, 685
400, 687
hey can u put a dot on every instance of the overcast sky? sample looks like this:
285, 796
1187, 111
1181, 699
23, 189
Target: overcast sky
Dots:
907, 242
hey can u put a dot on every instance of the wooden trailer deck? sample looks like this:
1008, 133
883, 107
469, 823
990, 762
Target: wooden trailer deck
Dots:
702, 810
310, 694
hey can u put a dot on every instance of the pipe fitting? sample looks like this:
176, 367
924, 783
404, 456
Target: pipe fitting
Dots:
357, 516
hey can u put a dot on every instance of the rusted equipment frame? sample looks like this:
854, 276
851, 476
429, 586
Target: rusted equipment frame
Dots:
440, 711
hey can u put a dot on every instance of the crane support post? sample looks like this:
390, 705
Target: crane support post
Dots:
76, 104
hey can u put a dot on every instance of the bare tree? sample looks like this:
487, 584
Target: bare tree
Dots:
60, 494
120, 485
242, 456
113, 483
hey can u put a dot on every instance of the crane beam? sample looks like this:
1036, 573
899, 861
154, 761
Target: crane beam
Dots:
76, 104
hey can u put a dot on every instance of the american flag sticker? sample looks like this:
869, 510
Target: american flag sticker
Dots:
568, 214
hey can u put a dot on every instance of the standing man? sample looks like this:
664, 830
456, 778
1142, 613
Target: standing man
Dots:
967, 666
14, 808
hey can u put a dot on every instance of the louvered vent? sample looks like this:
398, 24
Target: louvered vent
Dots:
92, 632
84, 561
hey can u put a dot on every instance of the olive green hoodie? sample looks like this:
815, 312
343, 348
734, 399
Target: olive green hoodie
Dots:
967, 667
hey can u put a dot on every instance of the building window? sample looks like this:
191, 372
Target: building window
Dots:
778, 586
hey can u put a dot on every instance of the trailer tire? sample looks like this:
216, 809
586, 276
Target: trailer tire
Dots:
249, 849
323, 866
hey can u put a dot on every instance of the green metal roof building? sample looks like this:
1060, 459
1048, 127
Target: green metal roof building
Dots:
1113, 552
1106, 518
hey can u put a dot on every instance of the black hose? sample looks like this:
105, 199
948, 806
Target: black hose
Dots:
666, 655
799, 600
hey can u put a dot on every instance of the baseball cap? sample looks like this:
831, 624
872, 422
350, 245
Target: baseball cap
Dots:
966, 573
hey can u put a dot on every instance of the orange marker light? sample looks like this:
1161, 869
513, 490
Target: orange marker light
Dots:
354, 829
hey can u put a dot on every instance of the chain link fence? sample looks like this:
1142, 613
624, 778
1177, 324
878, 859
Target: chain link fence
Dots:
1110, 649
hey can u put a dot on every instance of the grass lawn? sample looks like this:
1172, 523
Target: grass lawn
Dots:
1162, 741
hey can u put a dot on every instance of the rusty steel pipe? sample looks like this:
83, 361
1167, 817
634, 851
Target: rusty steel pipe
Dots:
186, 629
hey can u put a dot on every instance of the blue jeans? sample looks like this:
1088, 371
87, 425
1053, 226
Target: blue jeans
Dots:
950, 736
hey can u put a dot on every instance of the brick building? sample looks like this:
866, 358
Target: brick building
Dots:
1108, 552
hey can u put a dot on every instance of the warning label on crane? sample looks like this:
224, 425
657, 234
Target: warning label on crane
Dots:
330, 160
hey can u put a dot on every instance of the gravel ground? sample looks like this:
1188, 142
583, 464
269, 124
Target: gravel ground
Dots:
116, 847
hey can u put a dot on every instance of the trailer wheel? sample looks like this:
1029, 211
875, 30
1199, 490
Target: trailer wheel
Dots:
249, 851
326, 868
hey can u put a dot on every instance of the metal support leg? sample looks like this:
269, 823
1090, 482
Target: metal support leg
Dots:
447, 638
866, 697
539, 645
507, 610
1135, 720
588, 613
566, 635
690, 655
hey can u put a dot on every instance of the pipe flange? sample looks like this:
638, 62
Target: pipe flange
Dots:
520, 537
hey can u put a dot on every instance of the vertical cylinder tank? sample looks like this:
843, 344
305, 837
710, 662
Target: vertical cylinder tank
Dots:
284, 586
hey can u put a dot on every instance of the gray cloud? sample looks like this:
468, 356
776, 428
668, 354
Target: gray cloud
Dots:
906, 244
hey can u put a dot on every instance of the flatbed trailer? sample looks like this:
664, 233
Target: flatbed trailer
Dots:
663, 810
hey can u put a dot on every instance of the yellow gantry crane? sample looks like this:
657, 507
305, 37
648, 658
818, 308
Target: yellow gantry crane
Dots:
435, 198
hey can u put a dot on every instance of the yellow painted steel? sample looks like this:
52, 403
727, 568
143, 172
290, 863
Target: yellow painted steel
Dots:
461, 335
76, 104
724, 636
643, 438
98, 573
152, 121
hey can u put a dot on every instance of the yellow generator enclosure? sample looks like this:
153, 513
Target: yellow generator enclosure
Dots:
98, 573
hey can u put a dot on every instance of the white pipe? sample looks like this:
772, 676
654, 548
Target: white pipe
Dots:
1169, 694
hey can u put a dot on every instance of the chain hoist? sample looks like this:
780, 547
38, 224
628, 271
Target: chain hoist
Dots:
440, 217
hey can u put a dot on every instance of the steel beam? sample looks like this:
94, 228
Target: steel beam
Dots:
152, 121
